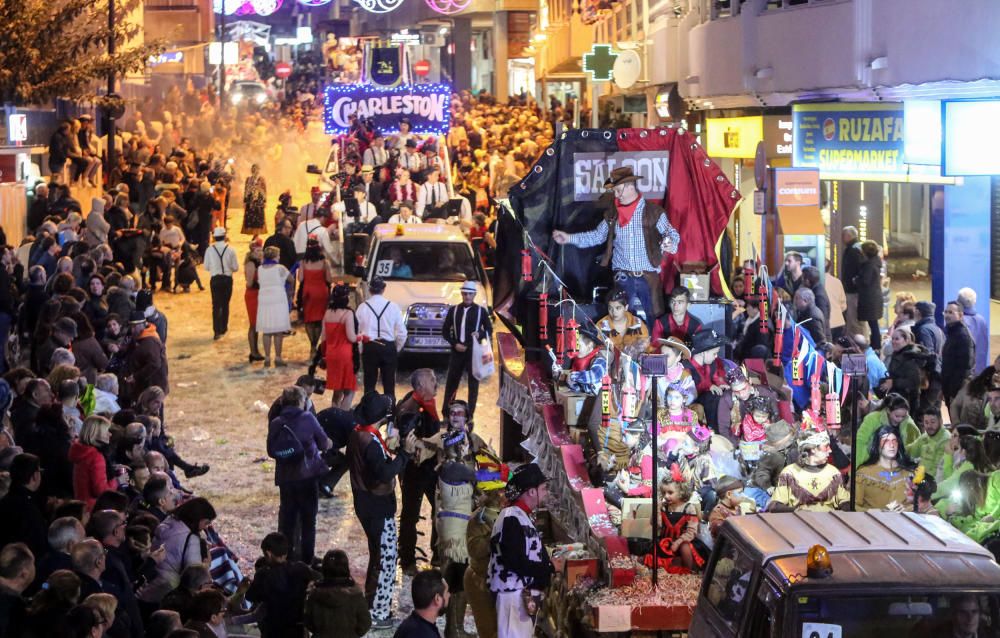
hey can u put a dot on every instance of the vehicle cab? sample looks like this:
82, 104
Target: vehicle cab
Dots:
847, 574
424, 267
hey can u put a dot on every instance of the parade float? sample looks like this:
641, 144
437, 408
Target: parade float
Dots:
549, 298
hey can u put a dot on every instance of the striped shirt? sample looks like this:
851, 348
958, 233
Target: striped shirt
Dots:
629, 250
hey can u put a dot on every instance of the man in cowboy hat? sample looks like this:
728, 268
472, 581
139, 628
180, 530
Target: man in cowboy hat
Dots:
636, 234
465, 322
518, 559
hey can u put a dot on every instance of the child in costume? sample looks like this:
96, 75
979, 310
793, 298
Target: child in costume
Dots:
678, 550
731, 502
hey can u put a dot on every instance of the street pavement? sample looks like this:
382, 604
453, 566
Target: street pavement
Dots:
216, 410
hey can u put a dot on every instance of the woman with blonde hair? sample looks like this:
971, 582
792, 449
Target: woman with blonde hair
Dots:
90, 477
105, 605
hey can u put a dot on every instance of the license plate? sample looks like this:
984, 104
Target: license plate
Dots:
429, 342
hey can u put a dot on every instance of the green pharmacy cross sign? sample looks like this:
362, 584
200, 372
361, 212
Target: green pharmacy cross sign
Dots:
599, 62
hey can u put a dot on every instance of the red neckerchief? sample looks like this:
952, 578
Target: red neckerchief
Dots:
524, 508
679, 330
582, 363
428, 407
625, 212
374, 431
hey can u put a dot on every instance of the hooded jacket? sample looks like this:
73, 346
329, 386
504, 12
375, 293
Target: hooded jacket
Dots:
90, 478
337, 608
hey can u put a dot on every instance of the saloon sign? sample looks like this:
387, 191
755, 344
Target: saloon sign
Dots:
426, 106
591, 169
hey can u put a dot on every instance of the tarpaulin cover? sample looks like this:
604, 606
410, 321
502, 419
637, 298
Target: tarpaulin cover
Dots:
562, 191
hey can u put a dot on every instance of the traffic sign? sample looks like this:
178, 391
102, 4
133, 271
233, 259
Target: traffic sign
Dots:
282, 70
422, 68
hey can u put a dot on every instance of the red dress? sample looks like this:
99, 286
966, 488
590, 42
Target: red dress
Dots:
250, 298
315, 294
339, 360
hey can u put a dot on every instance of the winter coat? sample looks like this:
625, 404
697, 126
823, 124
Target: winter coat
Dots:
958, 358
968, 408
148, 362
909, 368
90, 474
850, 265
90, 358
183, 548
869, 287
337, 609
309, 433
927, 334
22, 520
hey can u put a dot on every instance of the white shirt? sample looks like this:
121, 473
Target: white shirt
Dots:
368, 212
220, 259
412, 161
396, 219
375, 156
389, 328
430, 195
308, 211
312, 227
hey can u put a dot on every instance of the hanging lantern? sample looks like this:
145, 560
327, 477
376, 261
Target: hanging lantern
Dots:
832, 410
526, 265
543, 316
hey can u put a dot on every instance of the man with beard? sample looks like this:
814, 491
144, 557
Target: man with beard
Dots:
430, 601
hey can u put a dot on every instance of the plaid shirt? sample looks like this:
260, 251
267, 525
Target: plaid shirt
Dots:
629, 251
589, 380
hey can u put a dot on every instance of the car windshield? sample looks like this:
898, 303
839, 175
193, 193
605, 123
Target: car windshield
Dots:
910, 615
438, 261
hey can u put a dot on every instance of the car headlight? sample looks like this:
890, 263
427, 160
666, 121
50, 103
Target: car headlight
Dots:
260, 98
237, 97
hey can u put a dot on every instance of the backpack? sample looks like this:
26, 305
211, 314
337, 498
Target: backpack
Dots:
282, 444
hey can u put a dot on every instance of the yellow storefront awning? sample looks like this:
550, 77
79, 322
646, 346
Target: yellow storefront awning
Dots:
800, 220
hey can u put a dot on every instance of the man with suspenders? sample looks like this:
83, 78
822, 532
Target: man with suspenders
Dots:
221, 263
383, 333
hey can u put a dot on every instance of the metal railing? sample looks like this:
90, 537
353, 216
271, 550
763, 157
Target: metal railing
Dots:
715, 9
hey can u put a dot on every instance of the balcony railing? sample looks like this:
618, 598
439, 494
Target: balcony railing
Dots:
715, 9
